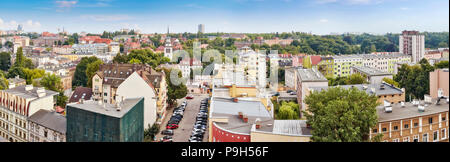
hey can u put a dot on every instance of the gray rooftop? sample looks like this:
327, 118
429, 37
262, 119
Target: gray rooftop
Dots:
249, 108
411, 111
290, 127
49, 119
388, 89
225, 107
108, 109
370, 71
311, 75
20, 91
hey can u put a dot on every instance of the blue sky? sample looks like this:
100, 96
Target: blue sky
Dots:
252, 16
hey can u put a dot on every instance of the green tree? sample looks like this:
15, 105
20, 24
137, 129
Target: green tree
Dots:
3, 81
135, 61
61, 99
288, 111
307, 62
51, 82
174, 92
391, 81
5, 61
20, 59
355, 79
121, 59
28, 63
31, 74
80, 78
151, 132
341, 115
91, 69
441, 65
16, 71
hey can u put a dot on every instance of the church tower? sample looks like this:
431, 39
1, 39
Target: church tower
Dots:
168, 50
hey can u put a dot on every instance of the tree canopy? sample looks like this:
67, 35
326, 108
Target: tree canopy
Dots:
80, 76
415, 79
341, 115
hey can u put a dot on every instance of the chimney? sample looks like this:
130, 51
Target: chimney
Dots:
12, 85
258, 123
28, 87
40, 92
117, 105
415, 102
241, 115
245, 119
421, 108
81, 101
427, 99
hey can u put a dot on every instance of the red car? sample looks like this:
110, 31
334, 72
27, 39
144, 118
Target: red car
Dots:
189, 97
172, 126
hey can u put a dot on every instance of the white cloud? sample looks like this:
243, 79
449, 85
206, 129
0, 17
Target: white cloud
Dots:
29, 25
65, 5
323, 20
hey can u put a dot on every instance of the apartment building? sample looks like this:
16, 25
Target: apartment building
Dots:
116, 81
254, 65
344, 63
384, 91
19, 103
188, 64
413, 44
47, 126
417, 121
247, 118
307, 78
91, 121
439, 81
372, 76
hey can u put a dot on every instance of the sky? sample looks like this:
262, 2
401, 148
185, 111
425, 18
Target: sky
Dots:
239, 16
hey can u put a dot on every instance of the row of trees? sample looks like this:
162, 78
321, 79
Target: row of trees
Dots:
85, 70
415, 79
349, 80
143, 56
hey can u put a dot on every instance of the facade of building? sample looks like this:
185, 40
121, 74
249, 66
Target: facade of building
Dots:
412, 43
201, 28
439, 80
19, 103
187, 64
344, 63
107, 87
90, 121
384, 91
307, 78
372, 76
408, 122
237, 118
47, 126
254, 65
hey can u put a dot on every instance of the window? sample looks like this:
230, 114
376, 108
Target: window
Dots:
406, 139
105, 94
416, 125
384, 129
436, 136
396, 140
430, 120
425, 138
45, 133
443, 118
395, 127
416, 138
375, 130
444, 134
406, 126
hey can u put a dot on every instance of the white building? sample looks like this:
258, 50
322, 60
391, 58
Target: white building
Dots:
254, 65
187, 64
168, 49
19, 103
135, 86
412, 43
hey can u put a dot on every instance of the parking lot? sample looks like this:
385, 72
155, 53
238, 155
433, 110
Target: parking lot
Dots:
183, 132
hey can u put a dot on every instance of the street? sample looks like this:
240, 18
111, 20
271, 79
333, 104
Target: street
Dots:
183, 132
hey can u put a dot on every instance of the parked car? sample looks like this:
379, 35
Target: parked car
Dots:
167, 137
190, 97
276, 94
167, 132
172, 126
289, 91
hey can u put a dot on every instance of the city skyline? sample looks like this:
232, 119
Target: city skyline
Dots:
239, 16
